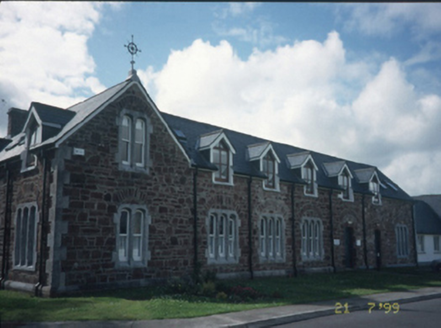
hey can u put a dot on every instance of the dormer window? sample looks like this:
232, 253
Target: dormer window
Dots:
216, 147
308, 171
369, 178
220, 159
267, 162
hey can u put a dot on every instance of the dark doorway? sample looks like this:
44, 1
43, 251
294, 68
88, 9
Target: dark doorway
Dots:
349, 246
378, 248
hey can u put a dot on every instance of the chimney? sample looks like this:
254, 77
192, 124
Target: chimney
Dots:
16, 120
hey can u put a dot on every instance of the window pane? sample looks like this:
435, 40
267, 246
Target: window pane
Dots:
231, 237
270, 237
123, 223
139, 142
123, 238
126, 137
31, 237
23, 245
137, 236
436, 243
221, 242
18, 237
263, 237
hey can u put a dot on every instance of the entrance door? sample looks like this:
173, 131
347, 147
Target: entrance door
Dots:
378, 248
349, 246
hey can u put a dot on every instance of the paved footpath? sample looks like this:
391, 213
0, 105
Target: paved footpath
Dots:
268, 317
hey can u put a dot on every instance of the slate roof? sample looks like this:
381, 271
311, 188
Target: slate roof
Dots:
426, 220
69, 119
53, 115
190, 131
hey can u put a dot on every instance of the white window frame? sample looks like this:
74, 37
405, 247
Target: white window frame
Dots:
311, 230
25, 243
271, 238
132, 237
222, 237
402, 239
133, 163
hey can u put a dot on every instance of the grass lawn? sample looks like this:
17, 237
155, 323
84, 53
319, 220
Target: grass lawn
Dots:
158, 303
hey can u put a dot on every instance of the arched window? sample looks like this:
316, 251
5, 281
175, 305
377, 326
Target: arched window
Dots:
312, 239
126, 137
271, 238
222, 228
139, 142
25, 237
132, 231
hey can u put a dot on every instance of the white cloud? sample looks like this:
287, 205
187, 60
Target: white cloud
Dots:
293, 95
237, 8
387, 18
43, 53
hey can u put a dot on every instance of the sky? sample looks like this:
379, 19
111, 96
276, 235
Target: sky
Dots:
357, 81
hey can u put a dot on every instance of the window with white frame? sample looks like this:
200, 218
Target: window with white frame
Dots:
436, 245
420, 243
271, 238
132, 234
133, 141
25, 236
309, 176
222, 227
312, 239
402, 237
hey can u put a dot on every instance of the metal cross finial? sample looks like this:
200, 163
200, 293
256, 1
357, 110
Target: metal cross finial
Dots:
133, 49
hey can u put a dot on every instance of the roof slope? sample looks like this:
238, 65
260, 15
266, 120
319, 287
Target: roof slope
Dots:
188, 133
426, 220
52, 114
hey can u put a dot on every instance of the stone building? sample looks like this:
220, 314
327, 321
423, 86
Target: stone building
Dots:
111, 192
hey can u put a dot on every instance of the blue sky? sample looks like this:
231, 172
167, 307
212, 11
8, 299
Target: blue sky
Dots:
358, 81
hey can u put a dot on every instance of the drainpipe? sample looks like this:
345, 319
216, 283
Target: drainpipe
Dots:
6, 229
41, 265
293, 231
414, 235
250, 230
364, 233
331, 215
195, 224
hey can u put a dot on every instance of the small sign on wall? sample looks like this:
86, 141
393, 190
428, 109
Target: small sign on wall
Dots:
78, 151
336, 242
358, 242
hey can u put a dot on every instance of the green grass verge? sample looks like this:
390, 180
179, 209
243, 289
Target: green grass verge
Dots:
152, 303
